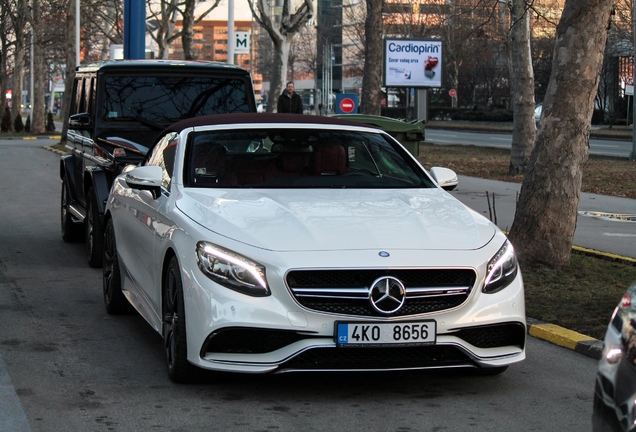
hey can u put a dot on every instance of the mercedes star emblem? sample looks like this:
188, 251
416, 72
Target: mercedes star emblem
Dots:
387, 294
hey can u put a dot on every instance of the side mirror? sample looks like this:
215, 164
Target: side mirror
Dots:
80, 121
145, 178
445, 178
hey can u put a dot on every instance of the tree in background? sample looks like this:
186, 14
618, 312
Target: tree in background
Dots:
371, 102
545, 219
521, 88
39, 72
17, 18
71, 62
281, 27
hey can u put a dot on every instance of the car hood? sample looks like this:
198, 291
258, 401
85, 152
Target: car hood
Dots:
343, 219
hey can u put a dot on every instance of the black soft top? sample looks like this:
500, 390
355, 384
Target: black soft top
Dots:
136, 66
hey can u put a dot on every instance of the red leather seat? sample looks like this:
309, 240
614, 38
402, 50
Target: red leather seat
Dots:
329, 159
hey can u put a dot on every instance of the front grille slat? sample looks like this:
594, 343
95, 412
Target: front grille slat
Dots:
347, 291
378, 358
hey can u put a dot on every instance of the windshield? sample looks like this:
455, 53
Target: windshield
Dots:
157, 101
299, 158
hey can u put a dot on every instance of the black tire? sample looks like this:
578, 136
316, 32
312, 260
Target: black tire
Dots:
71, 231
114, 299
94, 231
180, 370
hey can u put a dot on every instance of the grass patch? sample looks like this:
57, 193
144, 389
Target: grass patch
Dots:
582, 296
601, 175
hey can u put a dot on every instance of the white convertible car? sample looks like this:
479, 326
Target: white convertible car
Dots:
274, 243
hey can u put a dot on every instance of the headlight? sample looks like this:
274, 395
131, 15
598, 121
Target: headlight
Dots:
232, 270
502, 269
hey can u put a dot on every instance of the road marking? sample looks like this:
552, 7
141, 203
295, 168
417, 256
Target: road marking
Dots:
13, 417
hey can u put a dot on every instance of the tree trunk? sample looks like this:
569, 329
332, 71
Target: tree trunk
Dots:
545, 220
188, 31
522, 89
39, 72
281, 34
19, 22
371, 102
71, 64
4, 51
279, 72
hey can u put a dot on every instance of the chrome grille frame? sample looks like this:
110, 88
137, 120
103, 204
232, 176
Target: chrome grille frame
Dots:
346, 291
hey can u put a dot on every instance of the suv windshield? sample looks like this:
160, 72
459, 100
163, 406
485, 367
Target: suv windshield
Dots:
161, 100
299, 158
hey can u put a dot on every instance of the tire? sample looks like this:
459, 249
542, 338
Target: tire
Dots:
94, 231
71, 231
180, 370
114, 299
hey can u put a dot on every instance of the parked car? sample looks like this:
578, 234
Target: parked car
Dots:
265, 243
117, 110
615, 389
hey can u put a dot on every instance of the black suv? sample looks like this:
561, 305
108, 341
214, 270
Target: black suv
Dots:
118, 109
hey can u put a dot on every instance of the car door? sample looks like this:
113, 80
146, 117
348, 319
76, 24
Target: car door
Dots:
81, 138
142, 224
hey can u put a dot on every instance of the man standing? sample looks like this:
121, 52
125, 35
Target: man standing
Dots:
289, 101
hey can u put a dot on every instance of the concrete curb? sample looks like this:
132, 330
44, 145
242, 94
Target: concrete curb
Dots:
32, 138
563, 337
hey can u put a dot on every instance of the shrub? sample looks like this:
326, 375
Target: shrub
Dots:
5, 125
50, 124
18, 126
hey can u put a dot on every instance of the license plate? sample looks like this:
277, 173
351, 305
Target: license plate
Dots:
378, 334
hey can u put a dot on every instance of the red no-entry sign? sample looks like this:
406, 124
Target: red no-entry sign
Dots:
452, 93
347, 105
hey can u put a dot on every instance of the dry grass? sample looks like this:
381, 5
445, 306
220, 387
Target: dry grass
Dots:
602, 175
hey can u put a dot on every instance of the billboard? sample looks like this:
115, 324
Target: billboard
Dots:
412, 63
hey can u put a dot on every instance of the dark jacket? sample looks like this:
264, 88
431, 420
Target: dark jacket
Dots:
289, 103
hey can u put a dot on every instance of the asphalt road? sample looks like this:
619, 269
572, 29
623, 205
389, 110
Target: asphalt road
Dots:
67, 365
604, 147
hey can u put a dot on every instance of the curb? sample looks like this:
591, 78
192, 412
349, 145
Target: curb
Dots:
33, 138
566, 338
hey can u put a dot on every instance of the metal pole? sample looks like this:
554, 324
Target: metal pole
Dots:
230, 32
77, 32
31, 77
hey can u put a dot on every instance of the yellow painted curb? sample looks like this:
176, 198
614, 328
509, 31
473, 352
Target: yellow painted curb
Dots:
604, 254
558, 335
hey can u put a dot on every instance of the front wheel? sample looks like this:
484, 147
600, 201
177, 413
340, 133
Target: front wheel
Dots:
71, 230
94, 231
114, 299
180, 370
